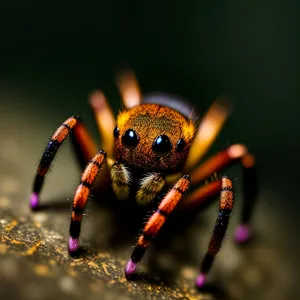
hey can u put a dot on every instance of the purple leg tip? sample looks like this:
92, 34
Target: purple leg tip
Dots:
73, 245
130, 268
34, 200
200, 281
242, 234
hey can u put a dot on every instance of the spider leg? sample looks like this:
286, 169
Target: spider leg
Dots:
156, 221
201, 196
83, 144
225, 208
120, 180
209, 128
81, 196
49, 153
105, 120
149, 187
233, 154
129, 88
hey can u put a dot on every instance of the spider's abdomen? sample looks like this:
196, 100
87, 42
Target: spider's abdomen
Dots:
175, 102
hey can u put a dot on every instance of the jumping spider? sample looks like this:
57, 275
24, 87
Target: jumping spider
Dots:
156, 142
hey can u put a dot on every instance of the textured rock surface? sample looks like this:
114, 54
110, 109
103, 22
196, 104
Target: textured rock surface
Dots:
35, 264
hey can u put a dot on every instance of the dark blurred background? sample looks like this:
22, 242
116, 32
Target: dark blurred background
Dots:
52, 56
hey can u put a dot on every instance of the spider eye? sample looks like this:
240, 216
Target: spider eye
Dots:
116, 132
180, 145
130, 139
161, 145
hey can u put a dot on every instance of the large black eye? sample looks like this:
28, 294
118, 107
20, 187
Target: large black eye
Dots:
161, 145
116, 132
130, 139
180, 145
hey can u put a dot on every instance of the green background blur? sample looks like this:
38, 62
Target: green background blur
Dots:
52, 56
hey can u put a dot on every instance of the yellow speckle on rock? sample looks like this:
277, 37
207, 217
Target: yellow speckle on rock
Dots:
16, 242
37, 225
122, 279
11, 225
41, 270
52, 262
103, 255
104, 266
33, 249
59, 250
93, 265
76, 262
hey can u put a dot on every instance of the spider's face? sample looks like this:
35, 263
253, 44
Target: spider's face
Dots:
153, 137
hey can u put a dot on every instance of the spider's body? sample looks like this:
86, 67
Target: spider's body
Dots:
150, 122
153, 148
151, 141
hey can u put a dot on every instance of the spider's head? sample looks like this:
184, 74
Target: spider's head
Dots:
153, 137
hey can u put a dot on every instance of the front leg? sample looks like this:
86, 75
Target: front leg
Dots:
150, 186
121, 179
156, 221
48, 155
81, 197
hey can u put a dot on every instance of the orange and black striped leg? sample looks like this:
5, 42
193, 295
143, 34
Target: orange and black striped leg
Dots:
225, 208
156, 221
81, 196
57, 139
201, 197
233, 154
243, 232
84, 146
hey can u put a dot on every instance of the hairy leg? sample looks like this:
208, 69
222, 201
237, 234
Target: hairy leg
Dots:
233, 154
149, 187
120, 180
84, 146
48, 155
156, 222
201, 196
81, 197
225, 207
